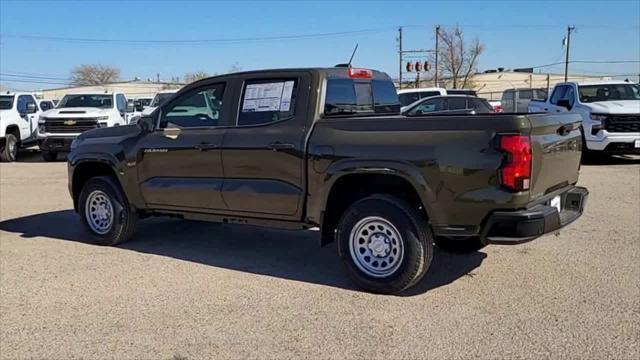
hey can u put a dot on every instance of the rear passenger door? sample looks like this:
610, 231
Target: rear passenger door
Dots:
263, 149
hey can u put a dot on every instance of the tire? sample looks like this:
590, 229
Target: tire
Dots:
10, 150
459, 246
118, 217
399, 230
49, 156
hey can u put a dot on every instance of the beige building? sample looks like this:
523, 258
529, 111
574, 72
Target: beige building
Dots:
131, 89
491, 85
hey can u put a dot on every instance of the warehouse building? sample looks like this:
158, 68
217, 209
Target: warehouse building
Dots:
131, 89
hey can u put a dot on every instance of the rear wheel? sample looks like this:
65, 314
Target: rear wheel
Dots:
10, 150
385, 244
105, 211
49, 155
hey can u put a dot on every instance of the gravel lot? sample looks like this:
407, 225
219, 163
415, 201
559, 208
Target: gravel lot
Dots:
196, 290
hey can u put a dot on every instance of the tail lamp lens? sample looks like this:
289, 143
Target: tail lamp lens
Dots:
360, 73
516, 173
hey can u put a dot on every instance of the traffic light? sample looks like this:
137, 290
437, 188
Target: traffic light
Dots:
409, 66
418, 66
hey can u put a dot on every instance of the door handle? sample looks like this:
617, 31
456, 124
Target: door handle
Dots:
278, 146
206, 146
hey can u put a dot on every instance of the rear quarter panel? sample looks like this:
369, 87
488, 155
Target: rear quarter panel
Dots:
450, 160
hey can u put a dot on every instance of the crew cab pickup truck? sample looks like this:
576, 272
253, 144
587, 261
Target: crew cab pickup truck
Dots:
326, 148
19, 114
75, 114
610, 113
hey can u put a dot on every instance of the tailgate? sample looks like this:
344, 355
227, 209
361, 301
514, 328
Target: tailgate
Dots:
556, 143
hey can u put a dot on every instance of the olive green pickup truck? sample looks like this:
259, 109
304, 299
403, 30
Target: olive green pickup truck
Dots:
326, 148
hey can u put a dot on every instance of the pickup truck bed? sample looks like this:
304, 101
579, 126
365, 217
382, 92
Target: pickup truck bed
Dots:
303, 148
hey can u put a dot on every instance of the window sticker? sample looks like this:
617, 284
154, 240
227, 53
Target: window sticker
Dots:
268, 97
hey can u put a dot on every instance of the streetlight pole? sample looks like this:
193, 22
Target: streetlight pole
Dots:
566, 61
436, 64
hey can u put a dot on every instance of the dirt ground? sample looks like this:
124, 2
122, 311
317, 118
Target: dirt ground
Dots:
197, 290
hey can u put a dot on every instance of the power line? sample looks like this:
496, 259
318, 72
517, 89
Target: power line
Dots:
193, 41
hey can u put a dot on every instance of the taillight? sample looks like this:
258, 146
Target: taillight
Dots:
515, 174
497, 109
360, 73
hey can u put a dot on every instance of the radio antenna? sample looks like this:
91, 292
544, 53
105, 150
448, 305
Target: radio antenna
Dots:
352, 55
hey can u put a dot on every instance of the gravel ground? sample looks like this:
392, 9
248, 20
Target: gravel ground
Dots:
196, 290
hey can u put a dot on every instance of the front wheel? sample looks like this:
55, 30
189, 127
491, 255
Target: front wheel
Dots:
49, 156
105, 212
10, 150
385, 244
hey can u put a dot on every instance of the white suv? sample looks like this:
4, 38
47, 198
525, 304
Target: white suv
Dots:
18, 123
75, 114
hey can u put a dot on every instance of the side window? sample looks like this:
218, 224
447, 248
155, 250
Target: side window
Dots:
570, 95
426, 94
507, 95
266, 101
457, 103
385, 97
121, 103
429, 106
408, 98
198, 108
558, 93
480, 106
22, 104
526, 94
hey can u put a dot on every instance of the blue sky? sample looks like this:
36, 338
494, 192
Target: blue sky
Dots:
516, 34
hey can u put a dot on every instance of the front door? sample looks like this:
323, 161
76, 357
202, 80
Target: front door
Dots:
179, 164
28, 109
263, 154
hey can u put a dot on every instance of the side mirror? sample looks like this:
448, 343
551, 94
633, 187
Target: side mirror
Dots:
129, 108
146, 123
564, 103
31, 108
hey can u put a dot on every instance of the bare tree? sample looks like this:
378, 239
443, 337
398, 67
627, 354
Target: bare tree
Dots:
195, 76
458, 59
234, 68
94, 74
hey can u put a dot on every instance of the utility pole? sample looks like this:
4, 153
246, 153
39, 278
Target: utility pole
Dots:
158, 77
436, 64
566, 61
400, 58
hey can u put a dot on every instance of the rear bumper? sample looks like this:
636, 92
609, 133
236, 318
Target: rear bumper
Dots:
515, 227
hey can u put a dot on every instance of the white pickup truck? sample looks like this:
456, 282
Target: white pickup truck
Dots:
75, 114
19, 114
610, 112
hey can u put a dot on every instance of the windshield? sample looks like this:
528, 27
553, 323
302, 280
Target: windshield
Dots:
6, 102
159, 99
86, 100
608, 92
144, 101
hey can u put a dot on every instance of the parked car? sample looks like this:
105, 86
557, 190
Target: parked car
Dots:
517, 100
610, 113
327, 148
46, 104
19, 114
75, 114
496, 105
157, 100
450, 104
410, 96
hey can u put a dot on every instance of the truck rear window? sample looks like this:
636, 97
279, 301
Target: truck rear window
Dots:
349, 97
